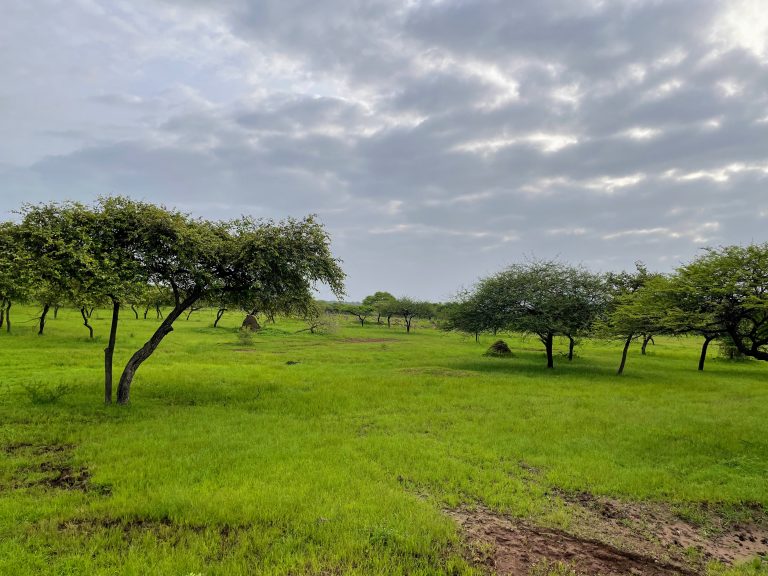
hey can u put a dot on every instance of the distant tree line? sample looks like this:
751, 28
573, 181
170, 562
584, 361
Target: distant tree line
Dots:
123, 253
722, 294
385, 305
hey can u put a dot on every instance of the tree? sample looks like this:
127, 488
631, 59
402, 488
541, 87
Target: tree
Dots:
379, 302
14, 271
728, 287
79, 254
546, 298
635, 310
409, 309
200, 259
360, 311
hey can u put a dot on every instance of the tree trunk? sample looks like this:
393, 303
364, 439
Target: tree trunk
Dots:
109, 352
624, 354
165, 328
84, 314
191, 310
135, 312
378, 318
388, 319
219, 314
56, 311
407, 324
46, 307
548, 346
362, 321
146, 311
571, 344
159, 313
2, 313
90, 311
646, 339
8, 316
703, 357
477, 337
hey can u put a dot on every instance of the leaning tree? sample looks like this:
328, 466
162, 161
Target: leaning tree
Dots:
199, 260
728, 287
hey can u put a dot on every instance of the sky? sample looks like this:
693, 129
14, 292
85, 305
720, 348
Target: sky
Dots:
437, 140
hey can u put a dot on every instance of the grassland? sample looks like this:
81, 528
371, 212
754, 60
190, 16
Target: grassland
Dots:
299, 453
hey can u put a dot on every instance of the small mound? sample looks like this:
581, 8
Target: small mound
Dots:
251, 323
499, 349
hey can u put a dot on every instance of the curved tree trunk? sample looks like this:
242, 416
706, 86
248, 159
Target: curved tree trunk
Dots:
138, 358
135, 312
146, 311
46, 307
703, 356
56, 311
571, 345
547, 339
408, 321
388, 321
627, 342
219, 314
109, 352
753, 352
84, 314
648, 338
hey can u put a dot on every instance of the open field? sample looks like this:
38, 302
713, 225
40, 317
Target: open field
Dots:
369, 451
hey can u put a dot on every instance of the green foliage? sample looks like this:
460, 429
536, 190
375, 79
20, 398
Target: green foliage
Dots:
44, 393
728, 287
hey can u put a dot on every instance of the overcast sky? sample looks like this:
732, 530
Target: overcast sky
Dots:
438, 140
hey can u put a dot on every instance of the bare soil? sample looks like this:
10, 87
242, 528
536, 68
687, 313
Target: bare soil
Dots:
512, 547
612, 537
657, 528
53, 467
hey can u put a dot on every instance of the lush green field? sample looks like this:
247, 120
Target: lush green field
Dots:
232, 461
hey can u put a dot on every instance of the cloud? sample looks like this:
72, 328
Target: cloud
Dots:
442, 140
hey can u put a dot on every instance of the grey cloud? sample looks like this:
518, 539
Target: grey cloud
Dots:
438, 140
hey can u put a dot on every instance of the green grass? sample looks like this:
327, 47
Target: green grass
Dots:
230, 461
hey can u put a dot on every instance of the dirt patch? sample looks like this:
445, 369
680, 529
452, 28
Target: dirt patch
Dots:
52, 468
438, 372
513, 547
367, 340
658, 529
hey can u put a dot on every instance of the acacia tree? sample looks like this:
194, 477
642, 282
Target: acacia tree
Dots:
199, 260
409, 309
635, 312
547, 298
485, 308
728, 286
79, 254
360, 311
14, 268
58, 240
627, 282
379, 302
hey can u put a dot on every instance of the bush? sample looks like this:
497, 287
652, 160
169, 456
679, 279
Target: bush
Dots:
39, 393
